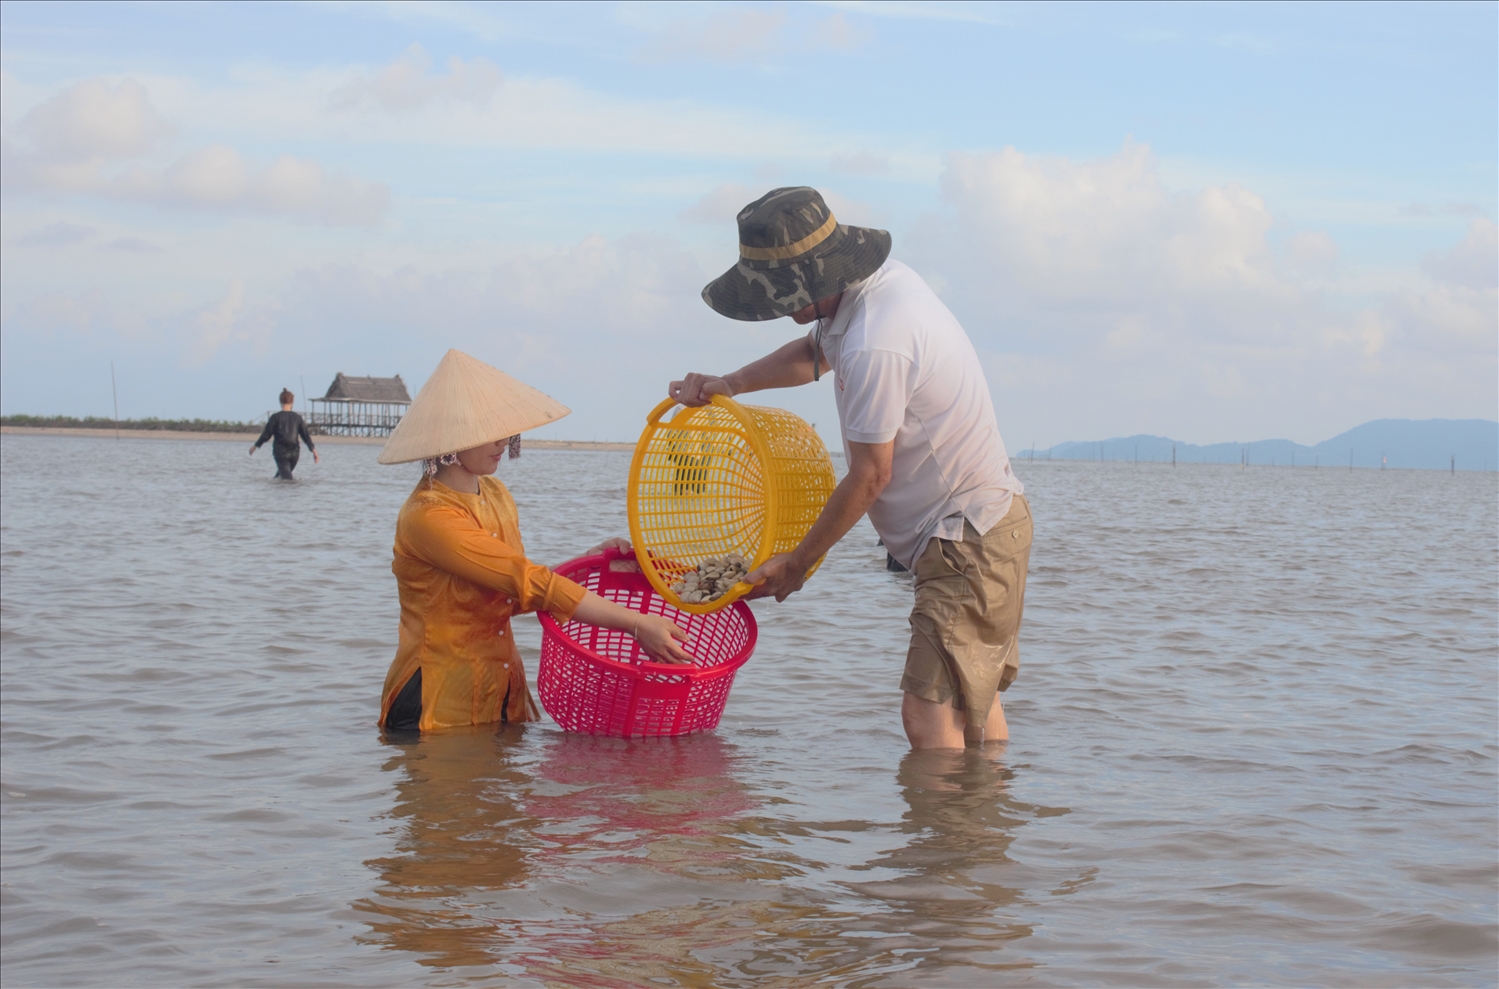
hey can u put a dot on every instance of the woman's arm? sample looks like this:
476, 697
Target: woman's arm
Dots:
657, 634
450, 539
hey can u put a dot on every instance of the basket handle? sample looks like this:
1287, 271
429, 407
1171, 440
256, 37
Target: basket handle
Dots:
608, 556
722, 401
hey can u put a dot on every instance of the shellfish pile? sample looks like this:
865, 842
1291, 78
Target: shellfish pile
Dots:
712, 579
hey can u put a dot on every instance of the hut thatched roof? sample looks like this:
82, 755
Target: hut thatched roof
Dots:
348, 388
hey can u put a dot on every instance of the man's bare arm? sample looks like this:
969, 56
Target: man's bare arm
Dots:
785, 367
868, 473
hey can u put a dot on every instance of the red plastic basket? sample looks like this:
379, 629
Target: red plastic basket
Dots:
598, 681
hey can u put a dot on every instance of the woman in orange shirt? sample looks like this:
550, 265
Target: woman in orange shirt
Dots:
460, 567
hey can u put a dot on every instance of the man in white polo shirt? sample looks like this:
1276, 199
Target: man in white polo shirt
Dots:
925, 458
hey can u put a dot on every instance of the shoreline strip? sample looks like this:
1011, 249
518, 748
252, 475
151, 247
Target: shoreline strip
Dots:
173, 434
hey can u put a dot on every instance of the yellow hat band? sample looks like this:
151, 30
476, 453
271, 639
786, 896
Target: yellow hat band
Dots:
802, 246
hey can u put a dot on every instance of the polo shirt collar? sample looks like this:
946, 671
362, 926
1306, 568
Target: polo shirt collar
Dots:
839, 323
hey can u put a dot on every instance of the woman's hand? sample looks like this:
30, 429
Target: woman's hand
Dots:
627, 563
659, 637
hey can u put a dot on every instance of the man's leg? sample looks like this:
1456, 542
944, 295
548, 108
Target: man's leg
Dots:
286, 462
964, 625
933, 725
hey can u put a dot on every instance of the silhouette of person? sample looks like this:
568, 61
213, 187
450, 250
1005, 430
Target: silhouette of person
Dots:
287, 428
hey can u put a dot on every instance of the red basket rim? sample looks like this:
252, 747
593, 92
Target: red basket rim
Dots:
598, 561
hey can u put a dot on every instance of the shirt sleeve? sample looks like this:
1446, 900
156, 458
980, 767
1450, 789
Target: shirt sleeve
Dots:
302, 431
877, 387
265, 434
450, 540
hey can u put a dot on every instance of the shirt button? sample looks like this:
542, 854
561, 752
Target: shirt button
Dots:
502, 633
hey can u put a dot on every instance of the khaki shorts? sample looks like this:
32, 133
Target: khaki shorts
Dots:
966, 623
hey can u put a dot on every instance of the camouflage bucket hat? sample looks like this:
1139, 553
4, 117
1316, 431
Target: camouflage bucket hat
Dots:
792, 253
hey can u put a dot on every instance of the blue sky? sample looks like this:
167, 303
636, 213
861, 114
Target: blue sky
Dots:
1213, 221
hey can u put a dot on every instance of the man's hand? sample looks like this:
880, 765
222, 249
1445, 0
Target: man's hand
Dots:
253, 448
699, 389
780, 575
315, 458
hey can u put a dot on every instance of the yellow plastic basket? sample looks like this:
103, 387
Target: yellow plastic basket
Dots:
719, 479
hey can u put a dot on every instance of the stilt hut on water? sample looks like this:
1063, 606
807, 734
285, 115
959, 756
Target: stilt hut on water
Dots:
359, 406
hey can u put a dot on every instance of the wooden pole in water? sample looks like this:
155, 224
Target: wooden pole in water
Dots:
1173, 455
1454, 465
115, 392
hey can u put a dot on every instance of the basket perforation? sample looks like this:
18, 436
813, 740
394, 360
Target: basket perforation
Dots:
723, 478
599, 681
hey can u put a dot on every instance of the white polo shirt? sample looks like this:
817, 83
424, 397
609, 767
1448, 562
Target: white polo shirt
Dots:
904, 370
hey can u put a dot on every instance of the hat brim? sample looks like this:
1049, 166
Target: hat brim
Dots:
464, 404
752, 293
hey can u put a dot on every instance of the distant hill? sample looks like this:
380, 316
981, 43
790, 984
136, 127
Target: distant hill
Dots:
1426, 444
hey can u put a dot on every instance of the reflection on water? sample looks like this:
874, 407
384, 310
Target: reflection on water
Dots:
460, 833
1253, 743
535, 854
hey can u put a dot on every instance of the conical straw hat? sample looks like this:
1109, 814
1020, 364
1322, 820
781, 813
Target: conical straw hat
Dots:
466, 403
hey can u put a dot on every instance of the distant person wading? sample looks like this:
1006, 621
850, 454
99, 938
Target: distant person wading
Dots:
287, 428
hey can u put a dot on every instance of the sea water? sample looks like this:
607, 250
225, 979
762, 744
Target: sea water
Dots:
1254, 742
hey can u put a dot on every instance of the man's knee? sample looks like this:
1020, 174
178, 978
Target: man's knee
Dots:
931, 724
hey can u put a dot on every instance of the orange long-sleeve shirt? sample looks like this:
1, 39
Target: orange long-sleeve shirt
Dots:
462, 572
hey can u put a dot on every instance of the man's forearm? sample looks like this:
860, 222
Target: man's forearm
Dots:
860, 487
786, 367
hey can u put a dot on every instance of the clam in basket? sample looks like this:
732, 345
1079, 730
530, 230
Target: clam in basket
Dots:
726, 486
599, 681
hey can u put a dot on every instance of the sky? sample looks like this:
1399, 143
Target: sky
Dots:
1216, 222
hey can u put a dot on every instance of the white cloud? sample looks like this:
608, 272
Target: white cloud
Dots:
79, 138
729, 34
477, 21
1084, 235
739, 34
837, 33
719, 205
63, 312
1459, 313
94, 120
60, 234
859, 163
1099, 294
1311, 249
973, 13
1474, 262
213, 326
131, 245
408, 84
